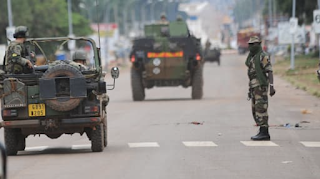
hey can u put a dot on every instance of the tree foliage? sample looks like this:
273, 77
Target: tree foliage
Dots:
43, 18
304, 9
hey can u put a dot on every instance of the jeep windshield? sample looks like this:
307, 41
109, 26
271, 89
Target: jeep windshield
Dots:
51, 50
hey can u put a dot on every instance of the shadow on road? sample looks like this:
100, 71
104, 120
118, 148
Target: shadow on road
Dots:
168, 99
55, 151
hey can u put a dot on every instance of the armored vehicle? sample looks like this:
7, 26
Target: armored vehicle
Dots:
212, 54
168, 55
58, 96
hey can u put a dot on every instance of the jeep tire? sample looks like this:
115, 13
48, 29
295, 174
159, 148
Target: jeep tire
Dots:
58, 71
11, 137
197, 83
97, 139
21, 142
105, 135
138, 93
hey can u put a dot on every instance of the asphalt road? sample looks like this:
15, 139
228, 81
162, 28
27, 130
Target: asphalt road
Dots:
159, 138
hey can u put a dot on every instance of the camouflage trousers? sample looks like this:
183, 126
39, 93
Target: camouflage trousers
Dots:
259, 103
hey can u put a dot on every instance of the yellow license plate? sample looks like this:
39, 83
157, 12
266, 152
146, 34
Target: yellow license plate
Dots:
37, 109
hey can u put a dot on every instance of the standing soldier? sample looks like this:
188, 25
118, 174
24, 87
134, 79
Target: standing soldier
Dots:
260, 75
318, 72
15, 59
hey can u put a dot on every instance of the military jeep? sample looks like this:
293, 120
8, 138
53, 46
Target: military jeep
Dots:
58, 96
168, 55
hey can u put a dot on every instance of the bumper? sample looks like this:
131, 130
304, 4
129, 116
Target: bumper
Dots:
52, 123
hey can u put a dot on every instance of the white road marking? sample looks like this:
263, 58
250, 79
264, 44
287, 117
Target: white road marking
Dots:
311, 144
286, 162
143, 144
199, 144
259, 143
37, 148
81, 147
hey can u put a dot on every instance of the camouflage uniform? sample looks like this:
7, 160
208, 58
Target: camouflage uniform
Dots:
15, 58
259, 101
318, 72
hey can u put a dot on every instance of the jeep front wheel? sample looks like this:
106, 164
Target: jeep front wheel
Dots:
97, 139
138, 93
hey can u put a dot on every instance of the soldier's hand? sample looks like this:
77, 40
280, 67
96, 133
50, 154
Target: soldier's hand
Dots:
272, 91
29, 64
32, 54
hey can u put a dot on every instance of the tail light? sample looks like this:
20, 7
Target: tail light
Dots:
91, 109
198, 57
133, 58
9, 113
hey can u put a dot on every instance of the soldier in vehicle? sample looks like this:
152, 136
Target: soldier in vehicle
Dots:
80, 60
163, 19
261, 76
16, 53
179, 18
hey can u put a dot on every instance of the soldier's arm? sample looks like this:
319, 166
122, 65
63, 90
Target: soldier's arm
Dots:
266, 64
16, 56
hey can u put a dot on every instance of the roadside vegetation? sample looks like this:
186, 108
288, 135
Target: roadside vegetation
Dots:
303, 76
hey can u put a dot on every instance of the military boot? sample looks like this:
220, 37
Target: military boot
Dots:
262, 135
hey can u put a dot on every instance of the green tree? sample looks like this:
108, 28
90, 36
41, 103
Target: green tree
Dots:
304, 9
43, 18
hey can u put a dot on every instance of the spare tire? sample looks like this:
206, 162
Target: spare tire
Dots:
62, 70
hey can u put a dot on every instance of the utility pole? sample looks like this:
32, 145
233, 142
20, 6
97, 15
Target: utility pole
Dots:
10, 29
274, 10
9, 13
270, 13
71, 43
292, 42
70, 18
318, 34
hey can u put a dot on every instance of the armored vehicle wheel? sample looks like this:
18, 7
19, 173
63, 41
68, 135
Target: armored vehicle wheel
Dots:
60, 71
138, 93
11, 141
97, 139
197, 83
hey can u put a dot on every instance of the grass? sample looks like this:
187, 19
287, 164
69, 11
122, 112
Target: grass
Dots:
303, 76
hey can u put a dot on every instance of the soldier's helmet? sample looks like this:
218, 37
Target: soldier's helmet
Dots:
21, 32
79, 55
163, 15
179, 18
254, 39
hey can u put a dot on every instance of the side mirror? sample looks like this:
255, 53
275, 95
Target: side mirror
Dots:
115, 72
3, 162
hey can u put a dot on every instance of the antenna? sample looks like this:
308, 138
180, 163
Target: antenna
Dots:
98, 23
